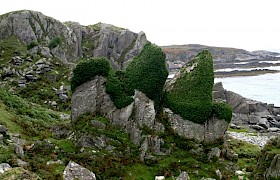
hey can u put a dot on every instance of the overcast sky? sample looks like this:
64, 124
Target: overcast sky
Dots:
247, 24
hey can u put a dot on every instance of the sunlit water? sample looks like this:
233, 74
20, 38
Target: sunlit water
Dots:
265, 88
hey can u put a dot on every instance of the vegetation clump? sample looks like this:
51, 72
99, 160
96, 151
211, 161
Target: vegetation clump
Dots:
222, 111
147, 73
87, 69
56, 41
191, 95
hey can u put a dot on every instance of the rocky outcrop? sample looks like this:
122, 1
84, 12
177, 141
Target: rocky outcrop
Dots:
75, 171
117, 44
255, 114
213, 130
31, 26
71, 41
91, 97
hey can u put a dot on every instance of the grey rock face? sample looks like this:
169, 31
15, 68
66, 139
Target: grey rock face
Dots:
118, 45
144, 109
211, 131
4, 167
31, 26
91, 97
75, 171
274, 169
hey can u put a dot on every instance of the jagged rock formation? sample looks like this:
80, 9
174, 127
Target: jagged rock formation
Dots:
91, 97
117, 44
259, 115
33, 26
71, 40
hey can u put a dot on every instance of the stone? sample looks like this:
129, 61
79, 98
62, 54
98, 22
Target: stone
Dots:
22, 163
274, 169
219, 174
3, 129
238, 173
19, 150
53, 103
45, 51
1, 138
159, 177
4, 167
263, 123
76, 171
257, 127
183, 176
54, 162
214, 154
63, 97
273, 129
98, 124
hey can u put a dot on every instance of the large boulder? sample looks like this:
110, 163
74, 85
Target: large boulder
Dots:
211, 131
75, 171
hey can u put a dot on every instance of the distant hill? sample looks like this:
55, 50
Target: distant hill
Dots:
224, 57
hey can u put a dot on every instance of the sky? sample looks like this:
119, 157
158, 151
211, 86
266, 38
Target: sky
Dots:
246, 24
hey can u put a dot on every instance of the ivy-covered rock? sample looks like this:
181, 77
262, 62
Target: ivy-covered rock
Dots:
147, 73
87, 69
190, 95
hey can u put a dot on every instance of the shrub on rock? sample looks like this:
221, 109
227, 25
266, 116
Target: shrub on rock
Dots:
87, 69
191, 94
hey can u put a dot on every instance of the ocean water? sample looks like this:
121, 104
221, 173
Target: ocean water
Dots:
264, 88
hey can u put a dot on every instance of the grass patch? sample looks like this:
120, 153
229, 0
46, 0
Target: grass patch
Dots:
34, 119
247, 153
8, 119
10, 47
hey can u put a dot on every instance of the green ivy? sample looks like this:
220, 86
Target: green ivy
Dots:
56, 41
147, 73
191, 95
116, 88
87, 69
222, 111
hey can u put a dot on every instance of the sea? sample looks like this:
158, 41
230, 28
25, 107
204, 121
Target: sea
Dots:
264, 88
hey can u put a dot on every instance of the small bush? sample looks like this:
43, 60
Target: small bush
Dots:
56, 41
87, 69
222, 111
115, 87
32, 44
